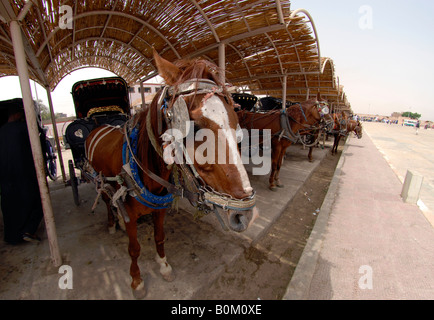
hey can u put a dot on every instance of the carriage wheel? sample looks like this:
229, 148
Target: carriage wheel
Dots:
51, 163
74, 183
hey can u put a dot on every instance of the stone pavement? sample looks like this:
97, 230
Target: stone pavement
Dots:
198, 250
367, 244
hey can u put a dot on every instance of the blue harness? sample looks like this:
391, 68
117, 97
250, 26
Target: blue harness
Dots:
151, 200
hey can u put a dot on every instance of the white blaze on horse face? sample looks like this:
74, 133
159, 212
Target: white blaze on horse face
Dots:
214, 109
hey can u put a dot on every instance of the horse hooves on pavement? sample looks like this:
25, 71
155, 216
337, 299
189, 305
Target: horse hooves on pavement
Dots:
140, 292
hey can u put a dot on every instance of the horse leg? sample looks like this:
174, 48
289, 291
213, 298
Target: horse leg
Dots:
335, 144
338, 139
165, 268
275, 152
111, 224
279, 165
309, 156
137, 283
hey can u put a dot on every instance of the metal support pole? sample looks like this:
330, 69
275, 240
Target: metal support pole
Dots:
142, 94
222, 62
56, 135
23, 75
284, 93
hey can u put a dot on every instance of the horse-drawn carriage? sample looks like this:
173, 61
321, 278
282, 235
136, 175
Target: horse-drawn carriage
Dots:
97, 102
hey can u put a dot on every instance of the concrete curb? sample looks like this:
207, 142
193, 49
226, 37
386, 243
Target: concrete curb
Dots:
298, 287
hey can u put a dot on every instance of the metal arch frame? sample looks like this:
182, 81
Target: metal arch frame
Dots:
110, 13
332, 68
31, 69
105, 26
94, 66
208, 22
307, 14
65, 49
74, 42
242, 59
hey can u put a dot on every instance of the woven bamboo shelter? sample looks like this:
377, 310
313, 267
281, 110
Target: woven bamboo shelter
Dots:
258, 42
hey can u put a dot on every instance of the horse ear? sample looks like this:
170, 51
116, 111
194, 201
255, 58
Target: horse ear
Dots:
167, 70
318, 96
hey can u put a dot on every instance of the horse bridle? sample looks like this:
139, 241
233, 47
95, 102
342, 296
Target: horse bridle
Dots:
200, 195
294, 137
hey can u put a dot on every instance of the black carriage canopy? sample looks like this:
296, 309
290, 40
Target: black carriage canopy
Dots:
97, 102
245, 100
100, 96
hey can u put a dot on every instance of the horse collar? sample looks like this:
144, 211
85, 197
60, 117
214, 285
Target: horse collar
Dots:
129, 151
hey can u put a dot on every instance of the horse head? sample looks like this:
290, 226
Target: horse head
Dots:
358, 129
210, 141
315, 109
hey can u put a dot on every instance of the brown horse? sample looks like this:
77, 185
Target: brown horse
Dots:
194, 92
310, 137
285, 127
342, 127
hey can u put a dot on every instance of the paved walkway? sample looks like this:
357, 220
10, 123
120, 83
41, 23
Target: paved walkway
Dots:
367, 243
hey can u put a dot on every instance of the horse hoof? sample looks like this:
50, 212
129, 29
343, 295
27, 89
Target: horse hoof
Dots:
165, 268
140, 292
281, 186
272, 188
169, 277
121, 224
112, 229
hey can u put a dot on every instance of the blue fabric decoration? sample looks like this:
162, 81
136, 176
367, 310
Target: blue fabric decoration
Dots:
159, 202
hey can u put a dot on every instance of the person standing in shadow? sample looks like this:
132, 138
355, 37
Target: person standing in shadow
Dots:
20, 198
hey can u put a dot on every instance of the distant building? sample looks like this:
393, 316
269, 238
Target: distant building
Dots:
149, 89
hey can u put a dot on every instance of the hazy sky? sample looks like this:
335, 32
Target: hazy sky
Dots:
386, 66
383, 53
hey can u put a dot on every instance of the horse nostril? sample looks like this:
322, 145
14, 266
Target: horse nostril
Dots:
238, 222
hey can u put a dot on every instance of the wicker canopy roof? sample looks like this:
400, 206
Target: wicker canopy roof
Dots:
263, 42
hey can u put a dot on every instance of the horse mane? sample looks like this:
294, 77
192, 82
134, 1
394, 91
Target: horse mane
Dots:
198, 69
